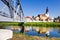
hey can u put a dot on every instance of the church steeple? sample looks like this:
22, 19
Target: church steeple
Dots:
47, 10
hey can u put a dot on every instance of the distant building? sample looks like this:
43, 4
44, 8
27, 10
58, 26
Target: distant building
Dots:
57, 19
40, 17
44, 17
37, 18
28, 19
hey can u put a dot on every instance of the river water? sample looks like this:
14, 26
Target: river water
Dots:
39, 31
43, 31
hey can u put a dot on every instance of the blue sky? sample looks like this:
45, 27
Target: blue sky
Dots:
35, 7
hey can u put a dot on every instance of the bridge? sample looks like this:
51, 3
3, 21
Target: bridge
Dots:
15, 10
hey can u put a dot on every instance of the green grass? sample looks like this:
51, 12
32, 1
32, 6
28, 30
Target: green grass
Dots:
9, 23
4, 24
42, 24
12, 23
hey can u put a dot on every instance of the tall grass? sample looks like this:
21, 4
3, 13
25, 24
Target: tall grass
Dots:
43, 24
10, 23
4, 24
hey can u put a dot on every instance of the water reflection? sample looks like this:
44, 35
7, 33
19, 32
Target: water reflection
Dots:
43, 31
59, 30
15, 29
37, 31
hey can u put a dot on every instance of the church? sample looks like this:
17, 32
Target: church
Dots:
43, 17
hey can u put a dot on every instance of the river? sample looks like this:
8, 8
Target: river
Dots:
38, 31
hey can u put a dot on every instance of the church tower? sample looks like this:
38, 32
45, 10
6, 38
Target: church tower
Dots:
47, 12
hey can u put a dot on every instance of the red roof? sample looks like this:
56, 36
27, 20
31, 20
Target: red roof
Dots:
27, 17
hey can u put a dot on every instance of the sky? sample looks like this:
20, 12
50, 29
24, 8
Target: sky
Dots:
35, 7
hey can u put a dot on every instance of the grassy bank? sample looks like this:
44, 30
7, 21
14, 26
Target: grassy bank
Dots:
5, 24
43, 24
10, 23
26, 37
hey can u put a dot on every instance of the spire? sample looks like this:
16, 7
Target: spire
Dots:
47, 10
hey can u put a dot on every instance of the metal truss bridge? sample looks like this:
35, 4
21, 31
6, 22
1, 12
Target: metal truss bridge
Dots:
15, 10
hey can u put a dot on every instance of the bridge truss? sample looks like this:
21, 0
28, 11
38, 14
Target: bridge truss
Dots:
15, 9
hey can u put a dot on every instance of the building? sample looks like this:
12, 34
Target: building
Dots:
57, 19
28, 19
40, 17
44, 17
37, 18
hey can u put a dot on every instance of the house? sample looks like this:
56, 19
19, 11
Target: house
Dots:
37, 18
28, 19
57, 19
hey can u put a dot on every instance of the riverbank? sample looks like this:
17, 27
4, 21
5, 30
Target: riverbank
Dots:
26, 37
42, 24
